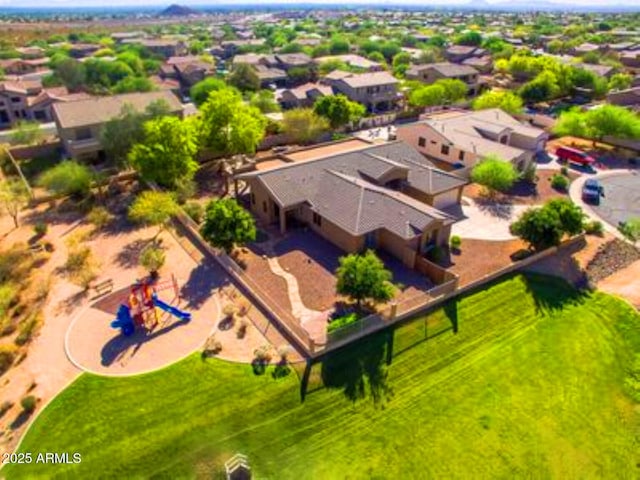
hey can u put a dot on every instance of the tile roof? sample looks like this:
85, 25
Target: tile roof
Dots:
446, 69
97, 110
371, 79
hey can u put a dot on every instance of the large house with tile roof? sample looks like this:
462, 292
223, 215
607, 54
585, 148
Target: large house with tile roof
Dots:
385, 197
462, 138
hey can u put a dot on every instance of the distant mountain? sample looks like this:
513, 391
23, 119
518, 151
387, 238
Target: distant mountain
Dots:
178, 11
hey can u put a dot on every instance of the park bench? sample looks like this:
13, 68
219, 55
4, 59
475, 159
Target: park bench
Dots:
104, 287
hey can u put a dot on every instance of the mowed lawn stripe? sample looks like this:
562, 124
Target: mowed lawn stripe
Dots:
530, 386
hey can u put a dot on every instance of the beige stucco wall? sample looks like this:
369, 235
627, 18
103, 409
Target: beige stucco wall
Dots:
259, 198
412, 133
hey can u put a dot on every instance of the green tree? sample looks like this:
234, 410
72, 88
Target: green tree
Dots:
227, 224
502, 99
400, 63
14, 196
427, 96
303, 125
339, 110
472, 38
154, 209
120, 133
229, 126
26, 132
339, 46
454, 89
67, 178
152, 257
133, 84
631, 229
300, 74
166, 154
71, 73
494, 174
245, 78
364, 277
620, 81
544, 227
605, 120
265, 101
199, 93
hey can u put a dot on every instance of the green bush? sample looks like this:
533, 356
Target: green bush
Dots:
28, 403
8, 297
559, 182
99, 216
529, 174
456, 242
436, 254
67, 178
195, 211
152, 258
631, 229
40, 229
7, 356
594, 227
343, 321
564, 171
27, 329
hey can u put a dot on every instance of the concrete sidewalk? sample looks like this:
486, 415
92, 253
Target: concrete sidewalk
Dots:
487, 222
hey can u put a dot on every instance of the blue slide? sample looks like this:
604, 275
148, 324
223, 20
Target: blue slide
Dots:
186, 316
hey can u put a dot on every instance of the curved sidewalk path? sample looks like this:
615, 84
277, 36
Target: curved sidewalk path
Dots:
487, 222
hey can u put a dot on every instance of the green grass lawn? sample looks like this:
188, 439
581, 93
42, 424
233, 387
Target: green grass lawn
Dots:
536, 383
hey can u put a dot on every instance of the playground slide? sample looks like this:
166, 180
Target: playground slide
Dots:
171, 310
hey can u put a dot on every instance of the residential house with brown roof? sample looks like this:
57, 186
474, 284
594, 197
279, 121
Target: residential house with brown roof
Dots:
164, 47
459, 53
188, 70
386, 197
625, 98
431, 73
377, 91
354, 61
80, 123
461, 139
304, 95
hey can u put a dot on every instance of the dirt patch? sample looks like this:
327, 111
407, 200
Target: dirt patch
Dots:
625, 282
611, 257
524, 193
478, 258
257, 269
316, 284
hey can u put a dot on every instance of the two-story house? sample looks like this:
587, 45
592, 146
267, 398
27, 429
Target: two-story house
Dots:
431, 73
377, 91
461, 139
80, 123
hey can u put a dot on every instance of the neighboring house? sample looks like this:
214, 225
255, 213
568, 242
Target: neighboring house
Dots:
461, 139
377, 91
188, 70
83, 50
304, 95
18, 66
31, 53
482, 64
606, 71
459, 53
630, 58
353, 61
164, 47
287, 61
431, 73
28, 100
625, 98
229, 48
120, 37
271, 76
386, 197
80, 123
585, 48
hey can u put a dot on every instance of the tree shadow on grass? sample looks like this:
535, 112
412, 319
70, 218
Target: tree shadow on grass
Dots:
552, 293
361, 369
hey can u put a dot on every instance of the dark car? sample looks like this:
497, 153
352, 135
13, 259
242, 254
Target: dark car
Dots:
592, 191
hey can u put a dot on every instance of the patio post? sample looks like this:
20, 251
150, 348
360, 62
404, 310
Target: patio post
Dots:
283, 221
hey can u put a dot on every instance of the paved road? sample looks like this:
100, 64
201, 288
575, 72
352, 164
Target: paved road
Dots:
622, 198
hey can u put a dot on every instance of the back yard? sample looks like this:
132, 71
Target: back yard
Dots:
533, 381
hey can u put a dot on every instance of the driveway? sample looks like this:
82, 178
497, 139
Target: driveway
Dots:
487, 221
621, 201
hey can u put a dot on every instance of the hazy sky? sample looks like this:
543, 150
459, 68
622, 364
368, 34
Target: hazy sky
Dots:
102, 3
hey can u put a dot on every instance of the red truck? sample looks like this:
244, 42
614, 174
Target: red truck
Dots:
572, 155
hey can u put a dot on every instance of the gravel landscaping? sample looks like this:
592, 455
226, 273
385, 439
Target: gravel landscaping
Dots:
611, 257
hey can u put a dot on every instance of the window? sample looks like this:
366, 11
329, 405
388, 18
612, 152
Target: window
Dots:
444, 150
4, 117
317, 219
422, 142
433, 142
264, 207
461, 156
253, 199
39, 115
83, 134
503, 140
15, 99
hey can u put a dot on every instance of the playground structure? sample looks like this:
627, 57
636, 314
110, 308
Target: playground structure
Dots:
140, 311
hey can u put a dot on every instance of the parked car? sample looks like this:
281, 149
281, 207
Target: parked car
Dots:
592, 190
573, 155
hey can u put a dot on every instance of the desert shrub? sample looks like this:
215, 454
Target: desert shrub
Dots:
559, 182
262, 354
631, 229
529, 173
594, 227
67, 178
564, 171
77, 259
40, 229
27, 329
456, 242
242, 328
8, 297
99, 217
28, 403
7, 356
195, 211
